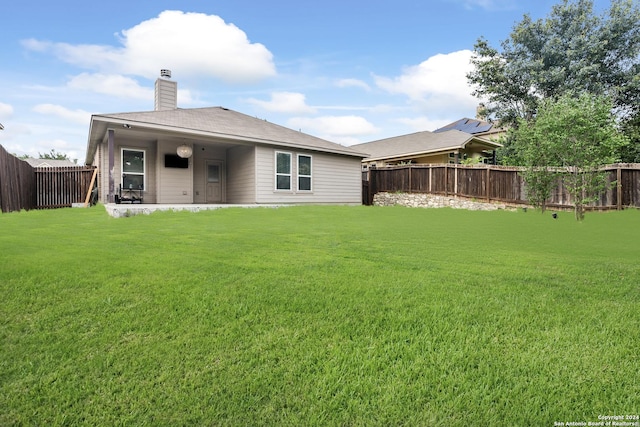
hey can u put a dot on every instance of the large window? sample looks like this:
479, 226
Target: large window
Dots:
304, 173
283, 171
133, 169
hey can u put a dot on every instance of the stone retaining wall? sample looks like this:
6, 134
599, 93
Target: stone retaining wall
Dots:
421, 200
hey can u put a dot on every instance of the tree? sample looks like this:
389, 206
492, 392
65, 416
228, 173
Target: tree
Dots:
572, 50
53, 155
574, 135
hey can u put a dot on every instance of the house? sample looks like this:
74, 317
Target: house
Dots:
448, 146
215, 155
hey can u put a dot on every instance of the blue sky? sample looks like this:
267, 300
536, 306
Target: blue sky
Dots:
349, 71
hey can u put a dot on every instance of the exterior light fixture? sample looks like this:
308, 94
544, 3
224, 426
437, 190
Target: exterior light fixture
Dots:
184, 151
1, 127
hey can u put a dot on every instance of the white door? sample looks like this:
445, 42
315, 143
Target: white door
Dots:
214, 181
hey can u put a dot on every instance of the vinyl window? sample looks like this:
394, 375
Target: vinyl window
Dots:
304, 173
283, 171
133, 169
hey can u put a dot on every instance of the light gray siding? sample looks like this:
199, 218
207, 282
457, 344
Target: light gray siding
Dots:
174, 185
102, 161
335, 178
202, 154
241, 174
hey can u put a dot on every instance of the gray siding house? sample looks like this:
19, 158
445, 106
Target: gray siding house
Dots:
215, 155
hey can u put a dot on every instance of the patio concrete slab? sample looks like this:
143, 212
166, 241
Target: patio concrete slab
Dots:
125, 210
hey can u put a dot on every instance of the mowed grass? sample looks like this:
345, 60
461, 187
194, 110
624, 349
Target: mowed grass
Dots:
318, 316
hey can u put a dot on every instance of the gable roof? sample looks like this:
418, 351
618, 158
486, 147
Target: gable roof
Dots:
467, 125
213, 122
421, 143
47, 163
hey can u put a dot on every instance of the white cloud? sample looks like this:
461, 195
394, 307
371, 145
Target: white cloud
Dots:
190, 44
284, 102
341, 129
111, 84
487, 4
436, 85
353, 83
6, 110
77, 116
421, 124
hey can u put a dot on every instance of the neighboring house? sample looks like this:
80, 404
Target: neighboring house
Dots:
215, 155
49, 163
475, 127
450, 146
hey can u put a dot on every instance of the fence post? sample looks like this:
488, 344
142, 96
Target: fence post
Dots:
373, 172
487, 187
446, 180
619, 186
455, 180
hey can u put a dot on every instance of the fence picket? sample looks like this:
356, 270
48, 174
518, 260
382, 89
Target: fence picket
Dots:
25, 187
497, 183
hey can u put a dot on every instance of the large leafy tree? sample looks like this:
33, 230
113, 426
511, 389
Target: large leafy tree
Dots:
570, 138
571, 50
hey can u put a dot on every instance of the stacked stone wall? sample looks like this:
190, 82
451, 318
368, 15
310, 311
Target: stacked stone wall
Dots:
421, 200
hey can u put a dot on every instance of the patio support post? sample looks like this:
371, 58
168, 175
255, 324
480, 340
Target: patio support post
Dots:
111, 166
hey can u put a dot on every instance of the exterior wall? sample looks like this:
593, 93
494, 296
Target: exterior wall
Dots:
102, 161
173, 185
166, 95
202, 154
241, 174
438, 158
335, 178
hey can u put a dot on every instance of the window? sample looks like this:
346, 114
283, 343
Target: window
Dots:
304, 173
133, 169
283, 171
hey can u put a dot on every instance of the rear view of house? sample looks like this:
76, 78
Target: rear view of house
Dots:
215, 155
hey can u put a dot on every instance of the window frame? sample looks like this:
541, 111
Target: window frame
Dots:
279, 174
309, 176
143, 174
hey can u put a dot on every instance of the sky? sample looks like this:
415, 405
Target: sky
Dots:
349, 71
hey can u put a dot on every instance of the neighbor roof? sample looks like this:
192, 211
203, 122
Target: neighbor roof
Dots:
467, 125
46, 163
216, 122
420, 143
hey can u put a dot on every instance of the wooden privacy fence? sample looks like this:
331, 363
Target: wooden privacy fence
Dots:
17, 183
25, 187
59, 187
495, 183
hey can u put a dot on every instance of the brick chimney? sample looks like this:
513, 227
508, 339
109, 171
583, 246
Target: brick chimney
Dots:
166, 92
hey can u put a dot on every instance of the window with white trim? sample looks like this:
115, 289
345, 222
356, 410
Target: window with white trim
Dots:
304, 172
283, 171
133, 169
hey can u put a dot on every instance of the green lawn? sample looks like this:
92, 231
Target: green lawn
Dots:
318, 316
